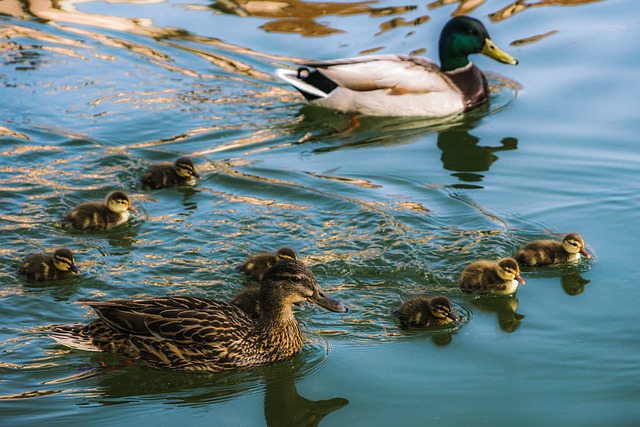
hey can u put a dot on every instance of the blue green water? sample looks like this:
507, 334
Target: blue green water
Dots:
91, 93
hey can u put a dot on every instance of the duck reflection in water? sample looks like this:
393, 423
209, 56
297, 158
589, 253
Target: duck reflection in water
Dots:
462, 154
573, 284
505, 307
283, 405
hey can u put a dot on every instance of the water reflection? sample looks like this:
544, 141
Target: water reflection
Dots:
520, 5
119, 382
60, 290
462, 154
505, 307
299, 17
283, 406
573, 284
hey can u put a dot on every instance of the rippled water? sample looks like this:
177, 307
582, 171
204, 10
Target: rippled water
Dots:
93, 92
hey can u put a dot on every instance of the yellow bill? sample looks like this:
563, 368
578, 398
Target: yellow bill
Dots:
492, 51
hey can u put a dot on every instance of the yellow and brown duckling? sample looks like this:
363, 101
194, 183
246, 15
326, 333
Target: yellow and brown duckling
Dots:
484, 276
101, 215
248, 300
549, 251
197, 334
255, 267
424, 312
55, 266
182, 172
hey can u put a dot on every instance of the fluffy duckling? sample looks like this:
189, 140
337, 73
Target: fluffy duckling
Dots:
403, 85
163, 175
255, 267
197, 334
248, 300
55, 266
484, 276
424, 312
101, 215
548, 251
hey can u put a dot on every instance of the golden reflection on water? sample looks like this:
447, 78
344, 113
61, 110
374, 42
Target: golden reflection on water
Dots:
533, 39
520, 5
299, 17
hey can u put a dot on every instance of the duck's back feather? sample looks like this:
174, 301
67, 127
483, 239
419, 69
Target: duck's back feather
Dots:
399, 73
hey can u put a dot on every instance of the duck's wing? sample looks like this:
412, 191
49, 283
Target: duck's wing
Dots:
180, 320
400, 73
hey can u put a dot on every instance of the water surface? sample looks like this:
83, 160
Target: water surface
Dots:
94, 92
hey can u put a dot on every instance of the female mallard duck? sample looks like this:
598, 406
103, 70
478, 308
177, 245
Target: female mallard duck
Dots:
255, 267
58, 265
483, 276
163, 175
101, 215
424, 312
401, 85
548, 251
197, 334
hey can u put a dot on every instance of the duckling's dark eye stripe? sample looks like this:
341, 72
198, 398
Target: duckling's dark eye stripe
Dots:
64, 261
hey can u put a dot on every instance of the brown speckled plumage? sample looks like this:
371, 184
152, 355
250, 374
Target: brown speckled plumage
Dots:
548, 251
101, 215
197, 334
424, 312
175, 174
60, 264
255, 267
484, 276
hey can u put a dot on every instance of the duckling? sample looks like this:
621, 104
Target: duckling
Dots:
403, 85
424, 312
196, 334
255, 267
548, 251
55, 266
248, 300
101, 215
163, 175
484, 276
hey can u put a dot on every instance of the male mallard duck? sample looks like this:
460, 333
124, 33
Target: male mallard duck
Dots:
101, 215
483, 276
548, 251
424, 312
162, 175
401, 85
58, 265
197, 334
255, 267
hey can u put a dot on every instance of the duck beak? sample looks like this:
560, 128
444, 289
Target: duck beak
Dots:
328, 303
584, 252
492, 51
519, 279
74, 268
452, 316
196, 174
132, 209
